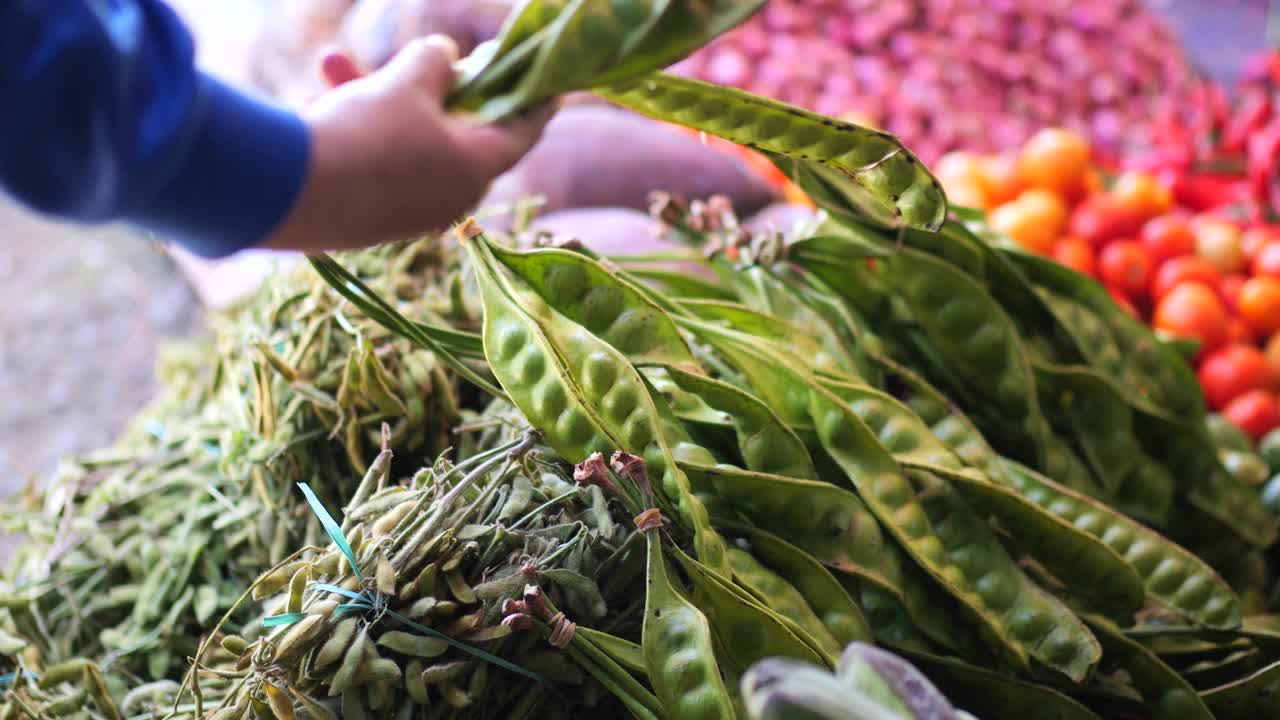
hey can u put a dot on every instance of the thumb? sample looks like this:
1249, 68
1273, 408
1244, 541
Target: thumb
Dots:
427, 63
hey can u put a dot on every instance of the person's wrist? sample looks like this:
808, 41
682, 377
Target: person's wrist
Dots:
313, 224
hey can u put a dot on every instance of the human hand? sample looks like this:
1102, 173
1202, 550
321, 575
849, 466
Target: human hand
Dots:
387, 161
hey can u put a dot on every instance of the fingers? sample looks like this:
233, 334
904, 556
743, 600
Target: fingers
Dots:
427, 63
339, 68
499, 147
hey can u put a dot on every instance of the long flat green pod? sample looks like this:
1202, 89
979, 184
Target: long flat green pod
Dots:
1166, 694
588, 293
1250, 698
829, 600
1013, 621
687, 406
1099, 419
776, 593
678, 648
989, 694
1152, 372
894, 187
681, 27
1093, 568
584, 385
551, 47
961, 320
828, 522
1172, 575
766, 443
772, 370
748, 630
1050, 631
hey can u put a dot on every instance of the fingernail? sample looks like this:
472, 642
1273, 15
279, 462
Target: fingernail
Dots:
446, 43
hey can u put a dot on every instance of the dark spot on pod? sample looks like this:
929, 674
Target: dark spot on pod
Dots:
657, 613
936, 185
897, 211
795, 111
911, 160
828, 122
803, 157
893, 198
835, 531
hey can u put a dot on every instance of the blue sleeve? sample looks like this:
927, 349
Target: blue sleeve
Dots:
104, 117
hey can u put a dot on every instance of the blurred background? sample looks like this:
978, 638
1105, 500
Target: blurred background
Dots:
83, 311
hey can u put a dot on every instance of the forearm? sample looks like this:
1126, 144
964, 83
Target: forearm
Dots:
106, 118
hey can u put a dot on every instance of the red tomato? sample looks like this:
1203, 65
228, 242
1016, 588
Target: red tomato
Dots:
1238, 331
1101, 219
1232, 371
1229, 289
1125, 303
1183, 269
1075, 254
1167, 237
1266, 260
1254, 238
1125, 265
1256, 413
1259, 301
1192, 310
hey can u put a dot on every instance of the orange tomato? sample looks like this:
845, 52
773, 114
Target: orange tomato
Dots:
1142, 194
1025, 224
958, 166
1093, 182
1231, 371
1126, 266
1256, 412
1047, 206
1218, 241
1192, 310
1272, 353
1055, 159
1183, 269
1075, 254
1259, 301
967, 193
999, 177
1167, 236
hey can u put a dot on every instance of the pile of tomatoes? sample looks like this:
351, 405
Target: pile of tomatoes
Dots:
1197, 276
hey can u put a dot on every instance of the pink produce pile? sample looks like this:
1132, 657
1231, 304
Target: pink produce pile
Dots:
979, 75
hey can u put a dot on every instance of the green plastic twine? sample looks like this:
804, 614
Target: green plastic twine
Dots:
286, 619
361, 601
331, 527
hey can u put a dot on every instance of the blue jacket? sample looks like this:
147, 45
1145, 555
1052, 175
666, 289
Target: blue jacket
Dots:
106, 118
